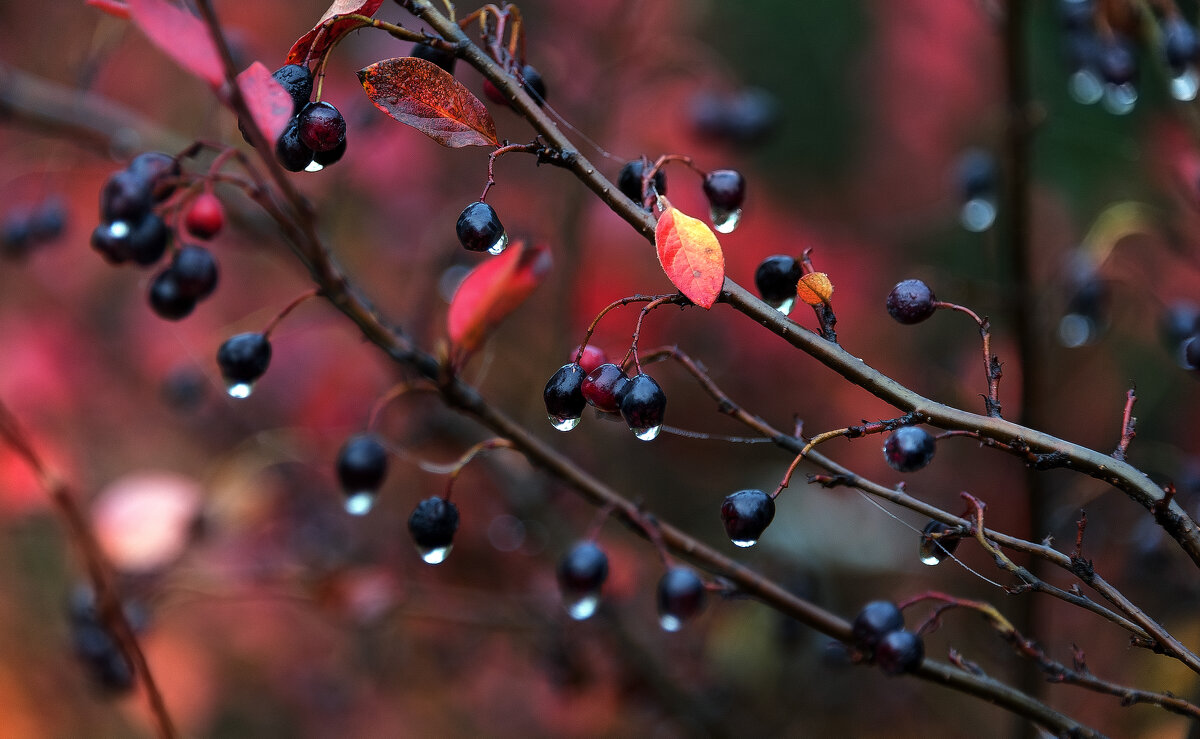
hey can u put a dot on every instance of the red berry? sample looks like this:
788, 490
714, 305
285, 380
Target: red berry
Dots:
321, 126
592, 357
205, 217
604, 387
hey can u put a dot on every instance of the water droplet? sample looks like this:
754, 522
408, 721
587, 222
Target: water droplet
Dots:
786, 306
977, 215
584, 607
725, 221
563, 423
931, 552
314, 166
1186, 84
118, 229
500, 245
1120, 99
1085, 87
435, 556
358, 504
1075, 330
929, 558
240, 390
669, 622
744, 543
650, 433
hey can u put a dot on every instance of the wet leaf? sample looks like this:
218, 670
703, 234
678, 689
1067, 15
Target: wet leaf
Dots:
269, 103
304, 46
423, 95
815, 288
691, 256
493, 290
181, 36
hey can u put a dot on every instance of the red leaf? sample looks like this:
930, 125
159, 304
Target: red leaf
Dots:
112, 7
181, 36
304, 48
269, 103
691, 256
423, 95
493, 290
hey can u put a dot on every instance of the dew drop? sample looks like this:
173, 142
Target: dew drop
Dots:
931, 553
1085, 87
930, 559
314, 166
239, 390
977, 214
785, 307
584, 607
670, 623
1120, 99
563, 423
500, 245
435, 556
649, 433
725, 221
118, 229
1186, 84
744, 543
360, 503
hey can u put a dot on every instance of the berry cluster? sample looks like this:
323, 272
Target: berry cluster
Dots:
24, 230
315, 137
878, 632
607, 388
189, 278
130, 230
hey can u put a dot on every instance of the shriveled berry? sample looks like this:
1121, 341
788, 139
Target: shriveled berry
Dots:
643, 405
725, 189
876, 620
244, 358
432, 525
160, 169
591, 358
899, 652
205, 217
321, 126
564, 397
126, 196
583, 569
776, 278
362, 464
297, 81
746, 514
444, 58
911, 301
604, 387
167, 299
936, 543
479, 229
629, 180
290, 151
680, 597
908, 449
148, 238
195, 271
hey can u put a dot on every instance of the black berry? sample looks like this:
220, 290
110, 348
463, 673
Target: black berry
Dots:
479, 229
96, 647
297, 81
1178, 323
643, 405
195, 271
444, 58
680, 597
746, 514
167, 299
1179, 43
321, 126
432, 525
581, 574
725, 189
326, 158
604, 387
911, 301
564, 397
362, 464
876, 620
205, 217
908, 449
744, 117
629, 180
16, 235
243, 359
936, 543
776, 279
159, 169
1118, 60
899, 652
976, 174
534, 85
1191, 352
126, 196
112, 241
147, 238
290, 151
48, 220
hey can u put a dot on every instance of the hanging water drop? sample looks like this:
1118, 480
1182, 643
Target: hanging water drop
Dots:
670, 623
583, 607
1186, 84
786, 306
1086, 88
744, 543
650, 433
1120, 99
360, 503
929, 557
500, 245
314, 166
725, 221
977, 214
436, 555
240, 390
564, 423
118, 229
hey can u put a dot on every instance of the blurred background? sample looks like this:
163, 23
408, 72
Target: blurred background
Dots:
870, 132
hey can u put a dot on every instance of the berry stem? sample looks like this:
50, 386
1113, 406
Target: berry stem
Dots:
992, 369
587, 336
394, 392
1128, 422
474, 451
637, 331
531, 148
602, 515
296, 303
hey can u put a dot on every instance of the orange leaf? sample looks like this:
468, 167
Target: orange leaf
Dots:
269, 103
423, 95
493, 290
303, 48
815, 288
691, 256
181, 36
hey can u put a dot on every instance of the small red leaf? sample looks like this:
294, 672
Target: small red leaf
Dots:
691, 256
423, 95
181, 36
112, 7
304, 48
269, 103
493, 290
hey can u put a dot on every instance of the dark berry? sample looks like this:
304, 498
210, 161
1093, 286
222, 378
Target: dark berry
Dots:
643, 405
743, 117
205, 217
899, 652
1118, 61
591, 358
746, 514
535, 86
876, 620
321, 126
479, 229
1191, 352
680, 597
911, 301
290, 151
326, 158
581, 574
1076, 15
16, 235
444, 58
112, 241
95, 646
161, 170
725, 189
297, 81
604, 387
147, 238
362, 464
195, 271
564, 397
126, 196
432, 525
184, 389
776, 279
908, 449
1179, 43
167, 299
243, 359
936, 543
629, 180
48, 220
976, 174
1179, 322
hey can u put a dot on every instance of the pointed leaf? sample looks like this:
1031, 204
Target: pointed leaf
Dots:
423, 95
691, 256
815, 288
304, 47
181, 36
493, 290
269, 103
